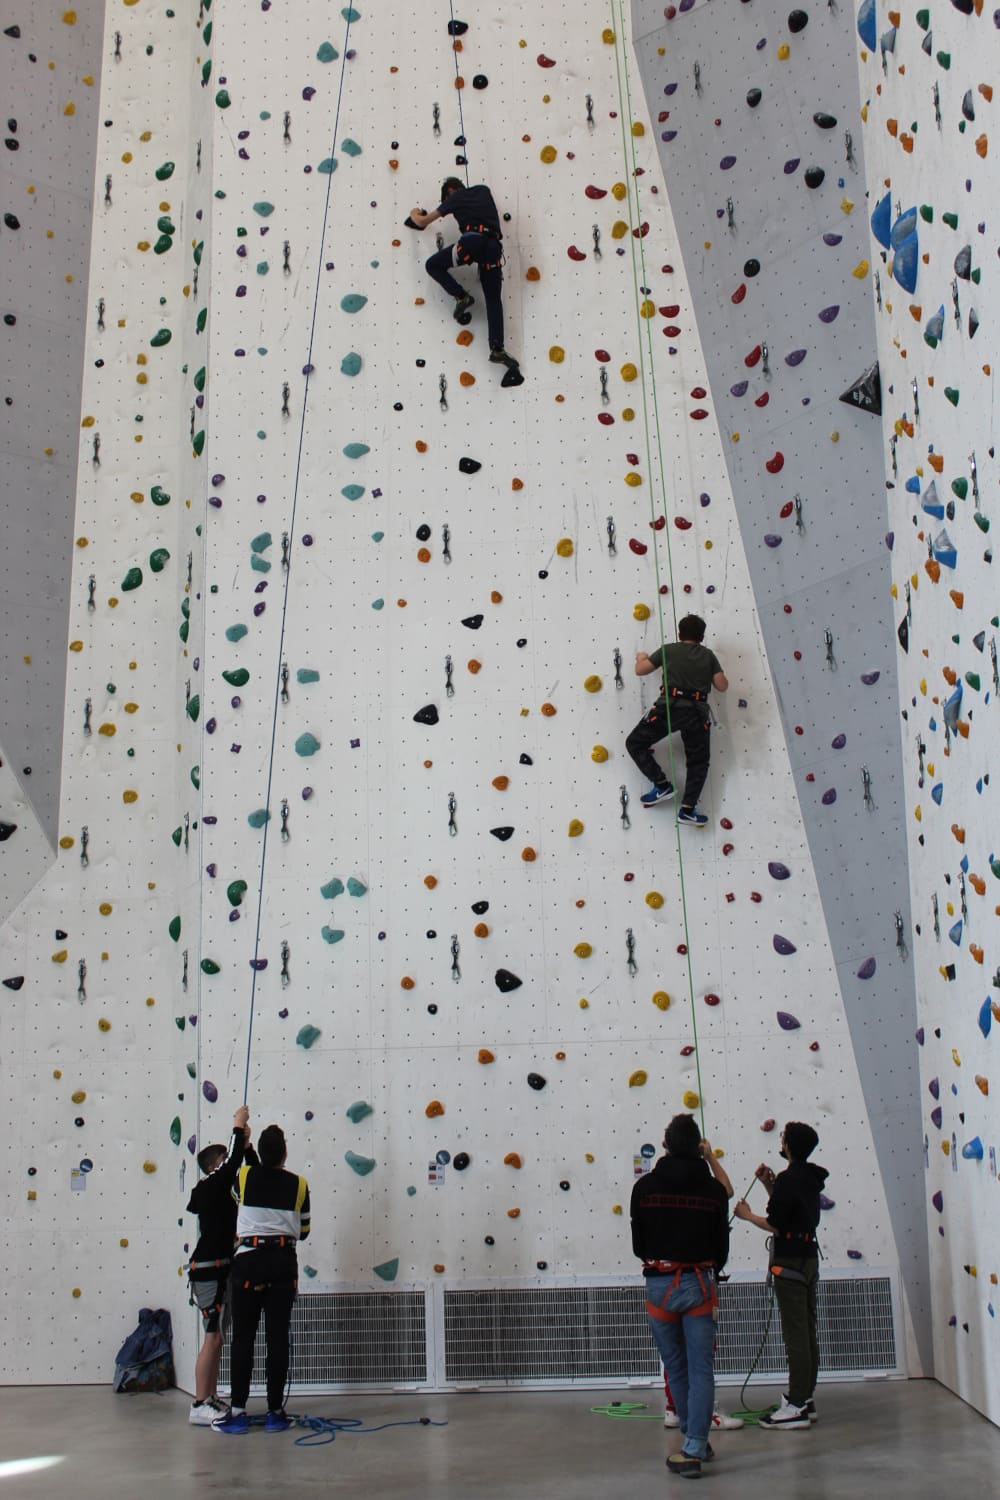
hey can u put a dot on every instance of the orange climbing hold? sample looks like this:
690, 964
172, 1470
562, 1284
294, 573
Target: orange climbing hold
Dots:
465, 378
982, 1084
512, 1160
434, 1109
474, 666
459, 81
982, 145
421, 446
501, 783
957, 597
517, 484
549, 709
933, 569
976, 952
936, 461
406, 983
532, 274
959, 832
496, 597
485, 1055
423, 554
513, 1213
978, 884
464, 338
481, 930
430, 881
892, 126
528, 855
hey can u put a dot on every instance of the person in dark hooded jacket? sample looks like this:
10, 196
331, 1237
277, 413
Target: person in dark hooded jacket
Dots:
792, 1218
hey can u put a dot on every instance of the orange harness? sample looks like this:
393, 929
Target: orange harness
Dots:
491, 265
659, 1313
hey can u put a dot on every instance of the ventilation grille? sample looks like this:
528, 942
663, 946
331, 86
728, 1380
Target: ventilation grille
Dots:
353, 1339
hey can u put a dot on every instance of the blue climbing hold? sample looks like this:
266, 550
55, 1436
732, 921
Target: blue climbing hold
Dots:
906, 263
952, 708
306, 1036
973, 1150
867, 24
360, 1164
334, 887
353, 302
881, 221
986, 1017
955, 932
778, 871
931, 503
355, 887
937, 792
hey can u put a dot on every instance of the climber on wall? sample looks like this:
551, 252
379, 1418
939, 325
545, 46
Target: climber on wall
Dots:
690, 671
480, 244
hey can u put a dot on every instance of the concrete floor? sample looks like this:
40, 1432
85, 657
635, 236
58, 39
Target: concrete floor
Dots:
889, 1439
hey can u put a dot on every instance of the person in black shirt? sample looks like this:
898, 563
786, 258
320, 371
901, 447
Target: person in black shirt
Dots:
792, 1217
208, 1274
479, 244
680, 1232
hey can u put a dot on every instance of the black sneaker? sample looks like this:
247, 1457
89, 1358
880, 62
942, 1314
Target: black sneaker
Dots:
685, 1466
501, 357
463, 303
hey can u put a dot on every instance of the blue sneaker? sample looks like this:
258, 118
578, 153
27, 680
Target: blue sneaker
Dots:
277, 1421
234, 1423
692, 817
657, 794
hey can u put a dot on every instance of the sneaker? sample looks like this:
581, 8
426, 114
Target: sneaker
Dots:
692, 816
234, 1423
657, 794
723, 1422
277, 1421
219, 1405
202, 1413
807, 1406
501, 357
463, 303
670, 1418
686, 1466
786, 1416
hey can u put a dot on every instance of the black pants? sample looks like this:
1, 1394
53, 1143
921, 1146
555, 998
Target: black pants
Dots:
275, 1300
474, 249
691, 721
797, 1305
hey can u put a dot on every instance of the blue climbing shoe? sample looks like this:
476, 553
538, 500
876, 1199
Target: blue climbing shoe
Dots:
277, 1421
657, 794
692, 817
234, 1424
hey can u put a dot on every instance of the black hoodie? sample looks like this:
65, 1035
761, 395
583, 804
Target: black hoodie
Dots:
680, 1213
793, 1210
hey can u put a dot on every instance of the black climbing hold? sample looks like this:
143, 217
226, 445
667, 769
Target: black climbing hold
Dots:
15, 983
460, 140
754, 97
431, 932
432, 1009
503, 834
564, 1185
12, 144
525, 759
814, 176
472, 622
461, 1160
824, 121
541, 1265
536, 1081
480, 907
513, 377
506, 218
903, 633
522, 641
797, 21
6, 829
968, 109
963, 262
32, 1171
543, 573
457, 28
394, 145
866, 392
965, 6
505, 981
480, 81
469, 465
461, 161
489, 1240
443, 1158
12, 221
9, 319
60, 935
13, 31
79, 1122
751, 267
423, 532
421, 363
428, 715
397, 406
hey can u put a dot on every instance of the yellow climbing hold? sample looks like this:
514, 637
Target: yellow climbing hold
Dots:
57, 1072
691, 1100
616, 1208
955, 1057
88, 422
647, 308
593, 683
628, 415
103, 1025
130, 797
584, 1004
76, 645
637, 1079
108, 730
633, 479
654, 899
640, 612
583, 950
69, 16
105, 908
661, 1000
60, 957
628, 371
67, 841
784, 52
847, 205
619, 229
77, 1292
564, 547
861, 269
608, 36
638, 128
619, 191
149, 1167
557, 354
131, 708
575, 828
79, 1096
548, 154
599, 754
123, 1244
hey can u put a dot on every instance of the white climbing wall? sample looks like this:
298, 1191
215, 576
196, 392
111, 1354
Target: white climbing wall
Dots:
363, 900
936, 180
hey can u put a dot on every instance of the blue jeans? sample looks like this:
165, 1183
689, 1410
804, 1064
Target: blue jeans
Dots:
687, 1348
474, 249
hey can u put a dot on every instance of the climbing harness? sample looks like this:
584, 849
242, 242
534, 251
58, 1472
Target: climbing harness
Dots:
706, 1283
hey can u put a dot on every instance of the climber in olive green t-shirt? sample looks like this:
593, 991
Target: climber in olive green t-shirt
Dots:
690, 670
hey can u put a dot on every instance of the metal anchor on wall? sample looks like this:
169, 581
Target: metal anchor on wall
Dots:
107, 191
286, 954
449, 686
597, 241
612, 537
900, 934
88, 709
91, 590
730, 214
617, 659
95, 454
100, 314
831, 660
456, 972
765, 358
866, 782
286, 251
631, 964
286, 396
285, 676
84, 846
446, 542
184, 971
452, 809
287, 128
81, 980
285, 830
443, 388
797, 504
623, 798
284, 549
936, 915
590, 111
605, 398
437, 119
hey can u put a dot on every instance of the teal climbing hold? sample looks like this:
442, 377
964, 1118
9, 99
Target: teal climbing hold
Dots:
262, 542
236, 632
260, 564
378, 604
350, 14
306, 744
162, 173
960, 487
349, 147
222, 99
356, 887
259, 818
411, 1192
356, 450
262, 268
174, 928
190, 1068
353, 491
360, 1164
163, 336
388, 1270
158, 559
177, 835
377, 536
132, 580
264, 208
974, 680
307, 674
327, 53
236, 677
165, 225
359, 1111
306, 1036
327, 166
159, 496
951, 394
332, 934
235, 891
333, 888
209, 966
350, 364
180, 1022
194, 708
175, 1130
353, 302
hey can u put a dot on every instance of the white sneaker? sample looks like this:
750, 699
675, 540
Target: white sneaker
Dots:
202, 1413
722, 1422
670, 1418
787, 1416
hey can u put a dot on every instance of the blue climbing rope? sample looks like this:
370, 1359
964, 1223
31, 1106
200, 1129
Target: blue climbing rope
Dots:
288, 571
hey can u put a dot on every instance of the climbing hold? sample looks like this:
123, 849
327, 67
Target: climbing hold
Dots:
599, 754
637, 1079
787, 1022
210, 1091
867, 969
512, 1159
332, 934
505, 981
358, 1111
503, 833
469, 465
306, 1035
536, 1081
306, 744
783, 946
355, 887
428, 715
778, 871
362, 1165
434, 1109
333, 888
690, 1099
388, 1270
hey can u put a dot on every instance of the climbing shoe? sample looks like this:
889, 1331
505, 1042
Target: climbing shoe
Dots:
501, 357
692, 817
462, 304
657, 794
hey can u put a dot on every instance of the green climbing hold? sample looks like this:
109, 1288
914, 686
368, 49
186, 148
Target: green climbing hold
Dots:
356, 887
175, 1130
177, 835
132, 580
927, 213
174, 928
235, 891
306, 744
353, 302
209, 966
180, 1022
975, 275
196, 778
307, 674
199, 380
327, 53
350, 14
995, 867
378, 536
201, 320
167, 170
350, 364
194, 708
236, 632
923, 19
163, 244
264, 208
186, 607
359, 1111
236, 677
951, 220
306, 1036
332, 934
411, 1192
349, 147
262, 542
360, 1164
163, 336
158, 559
944, 58
222, 99
260, 564
332, 889
198, 443
960, 487
356, 450
190, 1068
983, 522
165, 224
951, 394
206, 72
158, 495
327, 166
259, 818
388, 1270
353, 491
974, 680
198, 252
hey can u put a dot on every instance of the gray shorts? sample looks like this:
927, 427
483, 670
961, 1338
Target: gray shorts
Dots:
213, 1300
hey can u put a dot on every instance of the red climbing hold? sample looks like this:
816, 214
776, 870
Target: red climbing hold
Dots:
786, 510
762, 399
776, 464
667, 270
602, 356
545, 62
682, 523
659, 523
671, 330
800, 730
726, 823
756, 897
797, 655
639, 548
712, 1000
686, 1051
728, 848
682, 949
665, 590
629, 875
671, 310
605, 418
739, 293
753, 357
814, 1046
642, 231
633, 458
699, 393
810, 775
699, 414
575, 254
730, 896
596, 192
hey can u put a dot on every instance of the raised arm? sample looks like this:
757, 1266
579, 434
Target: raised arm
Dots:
643, 665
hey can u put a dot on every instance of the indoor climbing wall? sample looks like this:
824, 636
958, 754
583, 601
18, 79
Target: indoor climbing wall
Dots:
927, 80
759, 137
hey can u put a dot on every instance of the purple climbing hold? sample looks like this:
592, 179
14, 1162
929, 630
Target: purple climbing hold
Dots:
727, 162
890, 540
778, 871
787, 1022
740, 388
870, 678
210, 1091
838, 742
934, 1088
826, 1203
307, 540
854, 1255
828, 314
258, 964
783, 946
212, 870
832, 239
307, 792
771, 539
192, 1143
308, 93
704, 499
936, 1117
938, 1201
867, 969
829, 797
795, 358
792, 166
670, 88
919, 1034
668, 135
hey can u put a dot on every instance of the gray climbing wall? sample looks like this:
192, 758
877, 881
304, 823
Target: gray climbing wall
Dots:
753, 120
50, 81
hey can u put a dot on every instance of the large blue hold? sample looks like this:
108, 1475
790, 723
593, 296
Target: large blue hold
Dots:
986, 1017
906, 263
868, 24
882, 221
